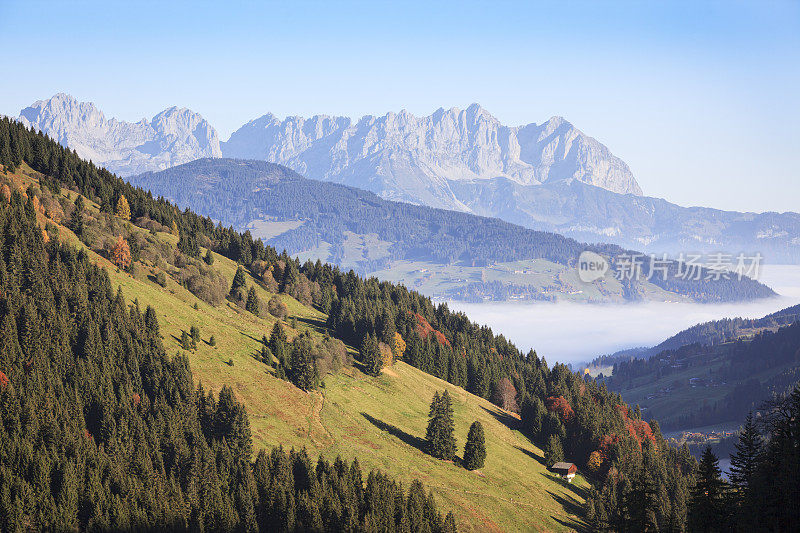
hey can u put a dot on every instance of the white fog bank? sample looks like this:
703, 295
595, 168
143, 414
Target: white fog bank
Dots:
573, 333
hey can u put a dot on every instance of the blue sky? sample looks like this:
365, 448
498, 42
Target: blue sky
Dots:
702, 100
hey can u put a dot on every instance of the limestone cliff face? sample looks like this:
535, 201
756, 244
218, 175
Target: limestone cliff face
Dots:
404, 157
174, 136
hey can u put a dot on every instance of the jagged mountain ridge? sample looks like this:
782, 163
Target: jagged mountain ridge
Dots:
414, 159
548, 177
174, 136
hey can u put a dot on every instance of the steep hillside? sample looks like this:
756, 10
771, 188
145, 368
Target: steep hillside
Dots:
445, 254
714, 373
381, 422
573, 418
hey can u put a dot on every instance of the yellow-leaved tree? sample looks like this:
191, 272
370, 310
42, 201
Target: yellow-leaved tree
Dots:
399, 345
123, 210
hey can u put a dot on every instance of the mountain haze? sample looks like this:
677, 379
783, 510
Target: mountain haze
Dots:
415, 159
471, 256
549, 176
174, 136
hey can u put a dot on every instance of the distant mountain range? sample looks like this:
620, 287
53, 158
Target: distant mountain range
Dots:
470, 257
174, 136
420, 159
549, 176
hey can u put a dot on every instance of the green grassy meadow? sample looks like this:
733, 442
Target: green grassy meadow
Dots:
381, 421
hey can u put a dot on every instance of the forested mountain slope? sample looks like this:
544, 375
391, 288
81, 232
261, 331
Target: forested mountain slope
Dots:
160, 255
716, 372
103, 431
333, 219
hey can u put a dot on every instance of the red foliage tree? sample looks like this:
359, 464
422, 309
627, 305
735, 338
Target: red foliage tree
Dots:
425, 330
560, 406
639, 430
121, 254
3, 380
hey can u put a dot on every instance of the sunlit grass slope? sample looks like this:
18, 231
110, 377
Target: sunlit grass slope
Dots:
381, 421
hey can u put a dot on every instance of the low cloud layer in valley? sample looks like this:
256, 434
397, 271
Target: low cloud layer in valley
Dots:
573, 333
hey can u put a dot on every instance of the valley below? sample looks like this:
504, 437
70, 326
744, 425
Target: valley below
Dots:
574, 333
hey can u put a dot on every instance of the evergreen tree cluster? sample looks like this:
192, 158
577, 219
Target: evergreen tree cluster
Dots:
460, 351
99, 430
764, 488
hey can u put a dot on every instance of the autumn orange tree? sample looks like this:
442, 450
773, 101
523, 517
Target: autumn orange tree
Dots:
121, 254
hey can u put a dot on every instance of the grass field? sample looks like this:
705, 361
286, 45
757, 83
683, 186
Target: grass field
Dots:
381, 421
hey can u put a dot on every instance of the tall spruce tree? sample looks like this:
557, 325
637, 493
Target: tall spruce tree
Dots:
475, 448
745, 469
440, 437
553, 451
239, 280
371, 356
277, 345
253, 305
707, 510
302, 367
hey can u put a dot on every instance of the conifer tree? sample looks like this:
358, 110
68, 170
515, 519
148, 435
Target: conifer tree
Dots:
707, 509
441, 442
252, 305
475, 448
371, 356
553, 451
277, 345
239, 280
302, 368
745, 468
76, 219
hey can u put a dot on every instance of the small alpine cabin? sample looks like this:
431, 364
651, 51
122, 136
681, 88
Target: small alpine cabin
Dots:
565, 470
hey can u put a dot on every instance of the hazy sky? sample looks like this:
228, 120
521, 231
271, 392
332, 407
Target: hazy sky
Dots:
700, 99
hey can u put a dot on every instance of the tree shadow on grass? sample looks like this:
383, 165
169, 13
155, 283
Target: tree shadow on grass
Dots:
571, 523
571, 506
504, 418
532, 455
395, 431
580, 492
250, 336
315, 323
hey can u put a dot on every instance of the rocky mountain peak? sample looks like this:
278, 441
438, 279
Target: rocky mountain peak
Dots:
411, 158
174, 136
